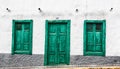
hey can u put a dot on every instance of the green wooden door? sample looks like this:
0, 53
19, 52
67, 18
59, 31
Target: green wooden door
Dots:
57, 48
22, 38
94, 38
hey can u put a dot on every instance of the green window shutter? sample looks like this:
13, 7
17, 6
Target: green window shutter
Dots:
94, 37
22, 37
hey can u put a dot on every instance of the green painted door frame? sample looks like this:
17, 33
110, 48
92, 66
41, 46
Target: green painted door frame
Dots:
22, 36
94, 37
58, 23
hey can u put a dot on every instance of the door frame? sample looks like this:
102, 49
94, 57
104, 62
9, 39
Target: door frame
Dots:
103, 38
46, 39
13, 35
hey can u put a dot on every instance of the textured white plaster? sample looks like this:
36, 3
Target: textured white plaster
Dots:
64, 10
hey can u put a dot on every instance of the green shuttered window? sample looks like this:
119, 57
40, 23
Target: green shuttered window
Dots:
94, 37
22, 37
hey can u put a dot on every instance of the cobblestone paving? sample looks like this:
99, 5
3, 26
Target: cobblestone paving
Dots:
8, 60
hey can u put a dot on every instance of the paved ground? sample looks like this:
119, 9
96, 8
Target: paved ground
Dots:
42, 67
8, 60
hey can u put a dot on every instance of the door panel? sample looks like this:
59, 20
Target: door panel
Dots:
52, 49
90, 37
26, 36
52, 59
62, 59
52, 44
18, 40
98, 41
61, 50
62, 43
90, 41
18, 37
98, 37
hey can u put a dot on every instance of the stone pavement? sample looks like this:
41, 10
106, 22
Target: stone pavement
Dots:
8, 60
43, 67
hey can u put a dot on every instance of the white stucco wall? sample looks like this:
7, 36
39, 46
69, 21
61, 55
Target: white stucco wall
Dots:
62, 9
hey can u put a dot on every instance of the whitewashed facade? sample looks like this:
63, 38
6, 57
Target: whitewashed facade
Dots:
74, 10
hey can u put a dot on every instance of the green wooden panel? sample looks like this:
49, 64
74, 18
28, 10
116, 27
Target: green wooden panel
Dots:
90, 41
19, 34
57, 42
26, 37
98, 41
52, 42
94, 37
22, 37
90, 37
62, 43
18, 40
98, 37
